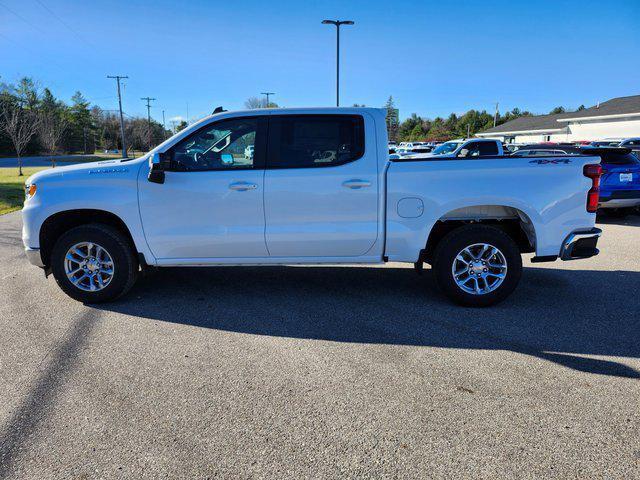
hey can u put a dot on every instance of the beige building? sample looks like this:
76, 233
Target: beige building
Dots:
615, 118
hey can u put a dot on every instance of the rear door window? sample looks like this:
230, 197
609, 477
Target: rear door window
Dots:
487, 148
306, 141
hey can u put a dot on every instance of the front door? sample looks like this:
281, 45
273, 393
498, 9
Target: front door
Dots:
321, 186
211, 205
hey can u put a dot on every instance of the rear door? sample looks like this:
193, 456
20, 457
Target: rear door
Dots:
321, 186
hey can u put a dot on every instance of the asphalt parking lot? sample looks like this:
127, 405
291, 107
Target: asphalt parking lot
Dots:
292, 372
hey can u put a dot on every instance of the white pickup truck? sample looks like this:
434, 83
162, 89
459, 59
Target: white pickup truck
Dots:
319, 188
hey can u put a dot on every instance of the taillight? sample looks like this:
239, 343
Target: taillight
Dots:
593, 172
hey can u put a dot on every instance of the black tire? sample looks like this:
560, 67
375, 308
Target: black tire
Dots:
124, 260
454, 242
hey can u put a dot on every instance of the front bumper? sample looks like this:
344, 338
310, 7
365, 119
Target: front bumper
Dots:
580, 244
34, 257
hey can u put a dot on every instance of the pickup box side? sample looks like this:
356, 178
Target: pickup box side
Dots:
548, 193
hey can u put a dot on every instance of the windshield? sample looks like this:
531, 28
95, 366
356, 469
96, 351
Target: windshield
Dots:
446, 147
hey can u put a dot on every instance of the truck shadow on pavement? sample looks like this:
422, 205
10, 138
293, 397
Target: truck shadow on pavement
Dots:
632, 220
563, 316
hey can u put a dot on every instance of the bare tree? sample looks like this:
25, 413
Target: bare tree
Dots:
254, 102
51, 128
20, 125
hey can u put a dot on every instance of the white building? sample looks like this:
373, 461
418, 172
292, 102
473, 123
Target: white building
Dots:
616, 118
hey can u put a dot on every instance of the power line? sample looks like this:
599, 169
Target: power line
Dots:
23, 19
35, 53
67, 26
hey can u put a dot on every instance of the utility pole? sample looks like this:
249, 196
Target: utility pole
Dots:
468, 130
124, 143
337, 23
164, 125
495, 115
267, 94
149, 99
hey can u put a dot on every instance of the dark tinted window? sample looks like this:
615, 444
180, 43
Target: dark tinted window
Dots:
487, 148
227, 144
299, 141
617, 159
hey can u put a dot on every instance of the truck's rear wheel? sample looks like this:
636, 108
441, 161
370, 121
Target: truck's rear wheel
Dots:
477, 265
94, 263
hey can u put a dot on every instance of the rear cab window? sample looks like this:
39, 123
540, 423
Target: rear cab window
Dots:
310, 141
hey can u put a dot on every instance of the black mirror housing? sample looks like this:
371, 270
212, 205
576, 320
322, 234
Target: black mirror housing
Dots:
157, 165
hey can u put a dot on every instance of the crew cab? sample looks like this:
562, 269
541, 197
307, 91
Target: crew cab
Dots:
320, 188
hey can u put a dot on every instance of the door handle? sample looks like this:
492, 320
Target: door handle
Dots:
242, 186
355, 184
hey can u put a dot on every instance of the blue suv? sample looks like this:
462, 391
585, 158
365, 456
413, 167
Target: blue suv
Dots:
620, 181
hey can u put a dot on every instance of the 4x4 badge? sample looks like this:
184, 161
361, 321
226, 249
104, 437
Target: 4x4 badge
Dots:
546, 161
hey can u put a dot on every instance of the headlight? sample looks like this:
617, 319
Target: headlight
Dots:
30, 190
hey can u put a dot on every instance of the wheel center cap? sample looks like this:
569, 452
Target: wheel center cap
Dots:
93, 265
477, 267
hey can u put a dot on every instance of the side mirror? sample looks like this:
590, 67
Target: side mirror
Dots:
463, 153
157, 166
226, 159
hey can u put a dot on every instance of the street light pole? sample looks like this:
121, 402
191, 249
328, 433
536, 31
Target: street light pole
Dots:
267, 94
337, 23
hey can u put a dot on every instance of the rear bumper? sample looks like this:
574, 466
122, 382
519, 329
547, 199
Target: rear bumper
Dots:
619, 199
580, 244
34, 257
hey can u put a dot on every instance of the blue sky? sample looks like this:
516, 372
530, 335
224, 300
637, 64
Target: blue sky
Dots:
434, 57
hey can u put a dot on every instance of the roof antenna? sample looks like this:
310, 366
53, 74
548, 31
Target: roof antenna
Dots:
218, 110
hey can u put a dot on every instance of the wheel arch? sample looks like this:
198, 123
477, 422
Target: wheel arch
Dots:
514, 221
60, 222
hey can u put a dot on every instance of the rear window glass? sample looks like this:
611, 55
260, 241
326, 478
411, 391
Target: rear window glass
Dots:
617, 159
487, 148
298, 141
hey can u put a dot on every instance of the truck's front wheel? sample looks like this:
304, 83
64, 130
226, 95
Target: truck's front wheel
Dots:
477, 265
94, 263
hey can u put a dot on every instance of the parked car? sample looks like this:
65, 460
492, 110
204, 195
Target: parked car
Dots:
474, 147
512, 147
320, 189
633, 144
606, 143
620, 182
546, 149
